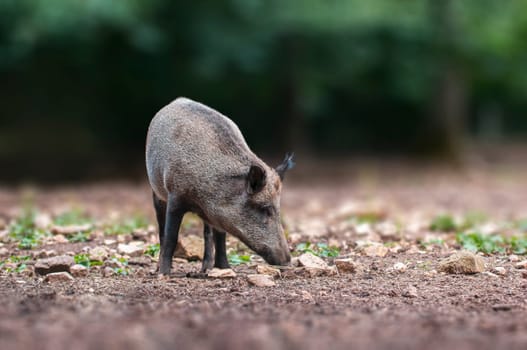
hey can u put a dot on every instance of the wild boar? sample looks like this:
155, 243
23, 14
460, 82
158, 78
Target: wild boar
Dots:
197, 161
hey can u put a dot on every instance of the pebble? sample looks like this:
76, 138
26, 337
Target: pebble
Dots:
267, 270
500, 270
131, 249
261, 280
58, 277
78, 270
4, 251
346, 265
375, 250
108, 271
312, 261
463, 262
410, 292
521, 265
54, 264
98, 253
221, 273
400, 267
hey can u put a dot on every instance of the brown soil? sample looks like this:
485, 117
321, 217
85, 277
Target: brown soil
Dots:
373, 308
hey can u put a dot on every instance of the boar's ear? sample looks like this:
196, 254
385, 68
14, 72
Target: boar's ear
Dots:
287, 164
256, 179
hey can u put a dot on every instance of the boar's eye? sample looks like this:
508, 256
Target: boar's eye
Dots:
268, 210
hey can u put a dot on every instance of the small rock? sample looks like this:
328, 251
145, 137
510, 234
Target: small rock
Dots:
109, 241
463, 262
58, 277
375, 250
267, 270
108, 271
4, 235
363, 229
42, 221
490, 274
221, 273
307, 296
130, 249
514, 258
410, 292
500, 270
4, 251
140, 261
98, 254
294, 262
60, 239
140, 234
387, 230
70, 229
399, 267
503, 307
60, 263
261, 280
521, 265
190, 248
311, 261
78, 270
346, 265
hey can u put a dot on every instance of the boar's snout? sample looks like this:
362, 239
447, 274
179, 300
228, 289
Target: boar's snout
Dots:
277, 256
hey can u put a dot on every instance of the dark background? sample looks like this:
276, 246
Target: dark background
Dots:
81, 79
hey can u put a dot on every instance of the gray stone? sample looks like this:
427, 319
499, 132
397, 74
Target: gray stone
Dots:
54, 264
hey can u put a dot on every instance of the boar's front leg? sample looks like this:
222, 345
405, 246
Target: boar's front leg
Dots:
220, 260
174, 215
208, 254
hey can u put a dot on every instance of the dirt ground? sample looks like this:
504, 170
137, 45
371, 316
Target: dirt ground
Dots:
375, 307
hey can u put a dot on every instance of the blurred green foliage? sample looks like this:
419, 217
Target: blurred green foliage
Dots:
81, 79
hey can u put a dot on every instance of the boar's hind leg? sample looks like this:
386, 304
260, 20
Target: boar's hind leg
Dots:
161, 209
220, 260
208, 255
174, 215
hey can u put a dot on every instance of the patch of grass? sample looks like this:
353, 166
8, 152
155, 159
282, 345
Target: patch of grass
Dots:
367, 217
473, 219
72, 217
122, 268
490, 244
24, 231
444, 223
84, 260
153, 250
522, 225
19, 261
237, 259
82, 236
432, 242
127, 226
518, 245
320, 249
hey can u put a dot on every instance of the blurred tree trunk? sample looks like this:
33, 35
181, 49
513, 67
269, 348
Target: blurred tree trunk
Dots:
448, 103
